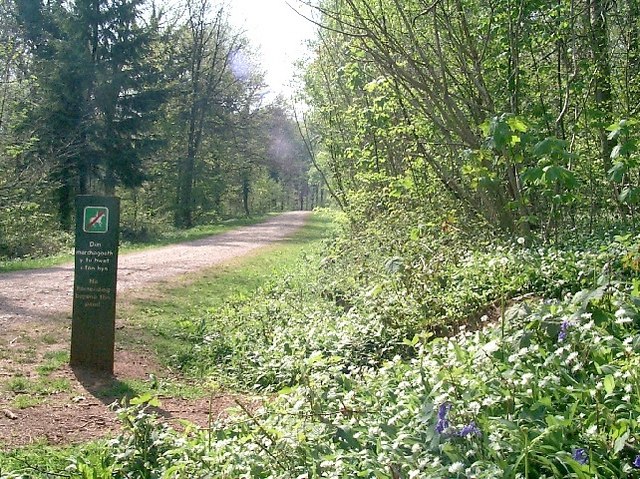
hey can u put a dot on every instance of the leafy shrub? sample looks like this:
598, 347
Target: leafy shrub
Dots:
549, 393
434, 277
26, 231
547, 389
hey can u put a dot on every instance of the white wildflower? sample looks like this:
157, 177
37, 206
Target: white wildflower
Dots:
526, 378
488, 401
571, 358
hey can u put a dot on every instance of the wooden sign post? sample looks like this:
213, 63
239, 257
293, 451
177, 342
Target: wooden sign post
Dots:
94, 286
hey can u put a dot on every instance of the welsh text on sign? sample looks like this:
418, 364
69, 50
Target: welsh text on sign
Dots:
94, 284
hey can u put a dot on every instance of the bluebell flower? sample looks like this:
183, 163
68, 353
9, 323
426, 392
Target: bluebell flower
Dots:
443, 424
563, 330
443, 410
636, 462
470, 430
580, 456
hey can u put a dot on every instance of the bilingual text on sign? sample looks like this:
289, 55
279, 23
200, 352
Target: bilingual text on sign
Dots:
94, 284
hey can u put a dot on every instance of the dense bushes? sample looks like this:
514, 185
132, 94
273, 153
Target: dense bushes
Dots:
536, 376
26, 231
547, 389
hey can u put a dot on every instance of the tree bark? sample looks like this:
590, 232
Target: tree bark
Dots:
602, 78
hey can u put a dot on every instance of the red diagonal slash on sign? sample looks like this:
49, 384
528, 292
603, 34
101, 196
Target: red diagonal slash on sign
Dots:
95, 219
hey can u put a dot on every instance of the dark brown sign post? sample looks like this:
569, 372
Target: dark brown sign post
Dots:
94, 286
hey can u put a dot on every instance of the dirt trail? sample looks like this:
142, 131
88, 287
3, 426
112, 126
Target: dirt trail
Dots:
38, 294
35, 311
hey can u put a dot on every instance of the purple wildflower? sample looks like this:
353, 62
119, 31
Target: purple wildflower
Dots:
443, 423
580, 456
563, 330
470, 430
443, 410
636, 462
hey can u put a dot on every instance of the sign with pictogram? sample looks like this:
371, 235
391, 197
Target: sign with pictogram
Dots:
94, 284
95, 219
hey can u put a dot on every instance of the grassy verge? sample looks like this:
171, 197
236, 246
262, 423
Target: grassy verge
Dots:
38, 459
154, 327
168, 237
548, 388
164, 328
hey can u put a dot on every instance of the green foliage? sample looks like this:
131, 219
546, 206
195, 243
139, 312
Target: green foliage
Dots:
486, 108
547, 391
466, 322
624, 156
415, 275
164, 108
38, 460
27, 231
210, 329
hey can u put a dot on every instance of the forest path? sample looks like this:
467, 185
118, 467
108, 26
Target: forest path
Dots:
71, 405
42, 293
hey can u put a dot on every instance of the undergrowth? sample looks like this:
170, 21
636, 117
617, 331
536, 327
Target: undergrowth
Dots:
439, 357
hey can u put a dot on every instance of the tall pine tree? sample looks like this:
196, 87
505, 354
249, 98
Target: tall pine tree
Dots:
95, 94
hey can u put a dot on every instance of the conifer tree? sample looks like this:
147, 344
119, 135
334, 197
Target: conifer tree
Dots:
95, 93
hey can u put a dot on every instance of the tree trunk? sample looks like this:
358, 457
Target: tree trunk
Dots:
245, 193
602, 77
64, 197
184, 212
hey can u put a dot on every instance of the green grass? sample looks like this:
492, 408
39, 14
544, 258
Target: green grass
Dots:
160, 387
121, 389
152, 327
32, 391
168, 237
42, 460
42, 386
22, 264
25, 401
159, 325
53, 360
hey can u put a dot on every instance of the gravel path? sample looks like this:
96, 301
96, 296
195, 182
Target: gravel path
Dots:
38, 294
